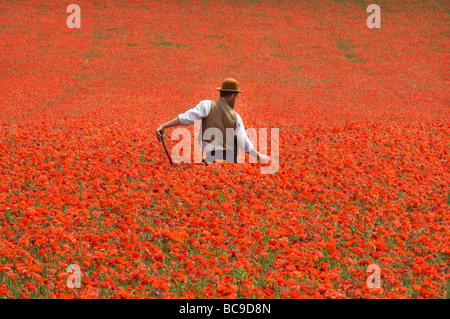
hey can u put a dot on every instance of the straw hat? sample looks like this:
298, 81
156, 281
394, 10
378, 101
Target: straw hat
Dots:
229, 85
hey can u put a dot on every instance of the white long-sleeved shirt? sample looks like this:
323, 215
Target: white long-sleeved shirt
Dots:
202, 110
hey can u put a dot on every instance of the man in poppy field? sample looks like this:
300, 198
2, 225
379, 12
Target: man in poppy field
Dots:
218, 116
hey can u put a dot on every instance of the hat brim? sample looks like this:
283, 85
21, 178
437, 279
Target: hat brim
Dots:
225, 90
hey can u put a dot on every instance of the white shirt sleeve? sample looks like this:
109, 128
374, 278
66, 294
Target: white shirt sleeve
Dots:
241, 135
195, 114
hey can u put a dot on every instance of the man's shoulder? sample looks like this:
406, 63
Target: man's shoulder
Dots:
205, 103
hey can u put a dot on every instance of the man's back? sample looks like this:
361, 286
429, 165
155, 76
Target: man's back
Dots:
221, 116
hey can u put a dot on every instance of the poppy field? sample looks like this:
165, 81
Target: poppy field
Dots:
364, 140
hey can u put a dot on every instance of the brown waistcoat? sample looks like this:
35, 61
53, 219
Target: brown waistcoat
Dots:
221, 116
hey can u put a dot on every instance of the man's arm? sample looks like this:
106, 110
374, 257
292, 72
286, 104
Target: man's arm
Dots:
160, 130
244, 141
189, 117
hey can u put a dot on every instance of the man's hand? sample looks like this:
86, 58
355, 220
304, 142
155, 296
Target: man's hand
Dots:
160, 132
263, 158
